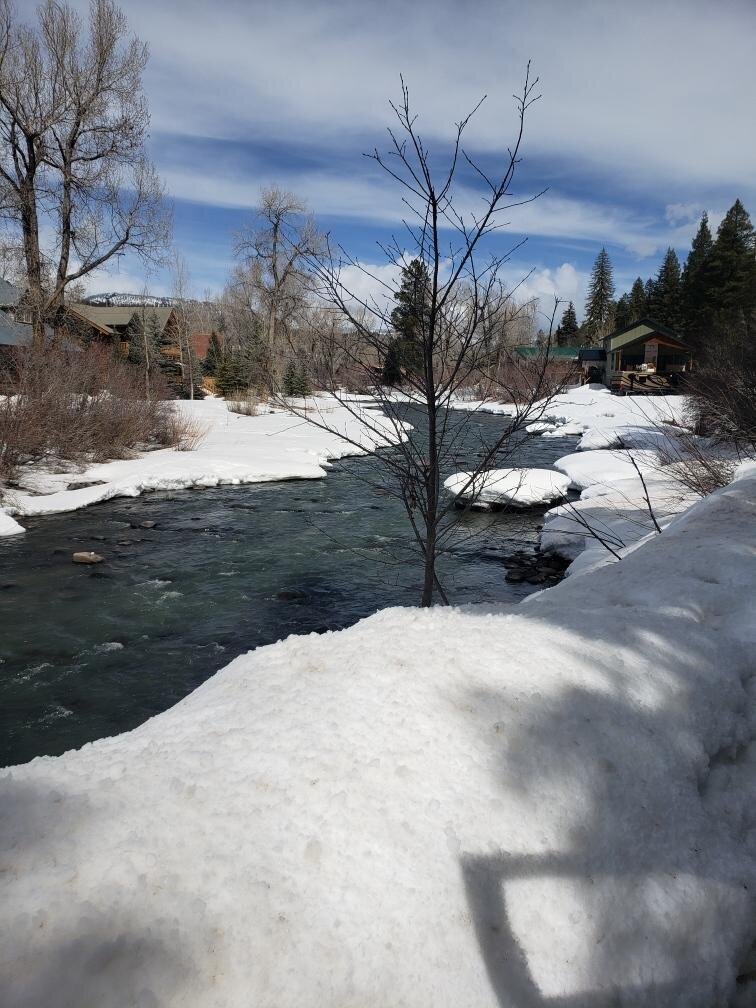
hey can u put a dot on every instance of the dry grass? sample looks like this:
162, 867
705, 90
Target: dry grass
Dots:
250, 405
78, 406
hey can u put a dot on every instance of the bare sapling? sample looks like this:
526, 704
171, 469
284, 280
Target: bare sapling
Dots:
441, 325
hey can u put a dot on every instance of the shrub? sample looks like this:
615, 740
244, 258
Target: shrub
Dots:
70, 405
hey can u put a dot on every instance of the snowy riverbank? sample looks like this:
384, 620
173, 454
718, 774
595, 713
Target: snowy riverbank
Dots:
234, 449
553, 804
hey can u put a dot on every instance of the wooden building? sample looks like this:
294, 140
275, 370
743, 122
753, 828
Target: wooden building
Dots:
645, 357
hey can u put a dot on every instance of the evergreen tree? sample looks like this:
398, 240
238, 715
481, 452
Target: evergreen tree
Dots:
568, 332
409, 316
289, 382
213, 357
599, 304
696, 306
231, 375
138, 351
391, 374
638, 301
623, 312
733, 267
648, 290
303, 382
665, 302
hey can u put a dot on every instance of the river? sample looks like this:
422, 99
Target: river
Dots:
87, 652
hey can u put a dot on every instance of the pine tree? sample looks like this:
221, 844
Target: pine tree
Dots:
138, 351
599, 304
638, 301
623, 312
289, 381
665, 303
733, 267
303, 382
568, 332
231, 375
391, 374
213, 357
409, 316
696, 306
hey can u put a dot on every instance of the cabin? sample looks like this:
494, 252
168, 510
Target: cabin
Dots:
110, 324
645, 358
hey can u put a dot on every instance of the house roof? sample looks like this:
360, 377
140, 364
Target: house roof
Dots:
14, 333
10, 295
641, 331
556, 352
111, 319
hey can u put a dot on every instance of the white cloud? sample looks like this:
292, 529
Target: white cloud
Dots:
627, 89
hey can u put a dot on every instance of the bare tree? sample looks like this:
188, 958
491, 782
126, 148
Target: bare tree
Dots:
179, 293
274, 251
74, 121
435, 318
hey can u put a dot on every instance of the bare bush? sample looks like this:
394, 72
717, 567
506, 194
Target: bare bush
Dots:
78, 406
696, 463
250, 405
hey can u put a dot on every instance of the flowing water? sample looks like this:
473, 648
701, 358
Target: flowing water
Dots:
92, 651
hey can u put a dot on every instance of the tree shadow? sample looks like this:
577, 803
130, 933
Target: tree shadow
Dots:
638, 891
95, 954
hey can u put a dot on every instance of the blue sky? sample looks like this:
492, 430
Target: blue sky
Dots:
645, 120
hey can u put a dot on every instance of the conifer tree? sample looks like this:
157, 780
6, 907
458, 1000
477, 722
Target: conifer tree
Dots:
391, 373
623, 314
568, 332
733, 267
230, 375
665, 302
213, 357
289, 381
696, 306
599, 308
408, 316
638, 301
138, 351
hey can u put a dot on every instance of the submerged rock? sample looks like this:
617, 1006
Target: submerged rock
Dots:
87, 558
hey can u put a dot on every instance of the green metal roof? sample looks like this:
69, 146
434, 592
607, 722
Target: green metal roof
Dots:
556, 352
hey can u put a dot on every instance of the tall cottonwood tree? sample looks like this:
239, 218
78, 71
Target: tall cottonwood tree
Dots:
273, 277
73, 123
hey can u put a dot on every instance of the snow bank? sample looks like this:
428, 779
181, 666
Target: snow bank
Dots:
8, 526
591, 406
553, 805
518, 487
586, 469
235, 449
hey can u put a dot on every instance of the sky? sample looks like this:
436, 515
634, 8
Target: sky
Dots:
645, 120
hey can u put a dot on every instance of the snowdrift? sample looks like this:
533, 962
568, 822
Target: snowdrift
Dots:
516, 487
548, 807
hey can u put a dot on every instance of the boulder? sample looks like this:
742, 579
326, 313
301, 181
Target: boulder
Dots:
87, 558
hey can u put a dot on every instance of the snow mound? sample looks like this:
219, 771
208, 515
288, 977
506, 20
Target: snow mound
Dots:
553, 805
603, 467
517, 487
8, 525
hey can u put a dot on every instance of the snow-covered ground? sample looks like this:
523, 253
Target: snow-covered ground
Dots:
590, 407
234, 449
548, 806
